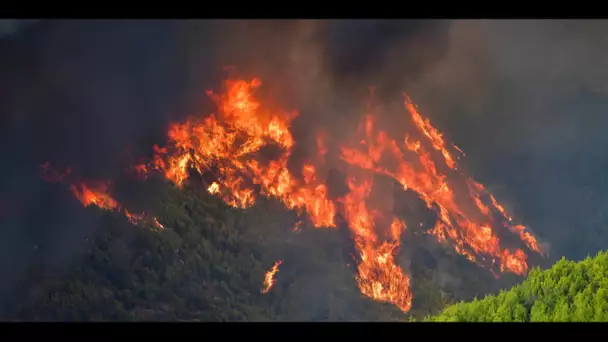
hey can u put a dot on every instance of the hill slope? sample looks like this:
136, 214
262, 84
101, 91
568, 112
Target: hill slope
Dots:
208, 264
568, 292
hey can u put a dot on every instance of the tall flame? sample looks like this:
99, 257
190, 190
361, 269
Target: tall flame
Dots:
230, 139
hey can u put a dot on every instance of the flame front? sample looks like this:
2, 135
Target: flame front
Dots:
230, 143
231, 139
269, 279
96, 194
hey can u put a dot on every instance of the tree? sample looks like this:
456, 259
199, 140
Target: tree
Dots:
567, 292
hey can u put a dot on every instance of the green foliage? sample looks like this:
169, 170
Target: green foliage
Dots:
568, 292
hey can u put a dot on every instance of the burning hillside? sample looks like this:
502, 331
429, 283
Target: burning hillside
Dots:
232, 145
96, 194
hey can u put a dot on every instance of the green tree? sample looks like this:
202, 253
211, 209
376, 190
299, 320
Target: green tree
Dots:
567, 292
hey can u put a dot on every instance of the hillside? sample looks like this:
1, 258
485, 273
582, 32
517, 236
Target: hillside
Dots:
208, 264
198, 244
568, 292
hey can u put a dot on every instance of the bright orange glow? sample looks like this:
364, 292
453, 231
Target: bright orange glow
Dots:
269, 279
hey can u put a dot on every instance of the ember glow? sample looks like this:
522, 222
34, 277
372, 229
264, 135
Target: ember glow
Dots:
229, 144
269, 279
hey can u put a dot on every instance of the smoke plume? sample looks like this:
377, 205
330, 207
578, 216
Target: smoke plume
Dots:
523, 98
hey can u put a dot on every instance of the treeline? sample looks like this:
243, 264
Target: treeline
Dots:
567, 292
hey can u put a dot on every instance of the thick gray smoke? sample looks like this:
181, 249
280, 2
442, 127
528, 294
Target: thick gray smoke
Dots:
527, 100
524, 99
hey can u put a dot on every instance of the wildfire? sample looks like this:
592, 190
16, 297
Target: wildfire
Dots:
269, 279
230, 141
96, 194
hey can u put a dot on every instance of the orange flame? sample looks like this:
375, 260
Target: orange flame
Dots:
96, 194
231, 140
157, 224
134, 218
269, 279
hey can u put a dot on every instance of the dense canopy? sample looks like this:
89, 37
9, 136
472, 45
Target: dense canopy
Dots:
568, 292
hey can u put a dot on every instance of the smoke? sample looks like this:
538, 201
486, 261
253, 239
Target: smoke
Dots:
325, 69
9, 27
526, 99
79, 94
96, 95
386, 54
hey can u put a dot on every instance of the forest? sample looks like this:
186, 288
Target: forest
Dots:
209, 261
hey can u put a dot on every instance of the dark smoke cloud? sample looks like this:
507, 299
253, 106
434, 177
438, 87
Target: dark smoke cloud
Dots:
386, 54
337, 65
